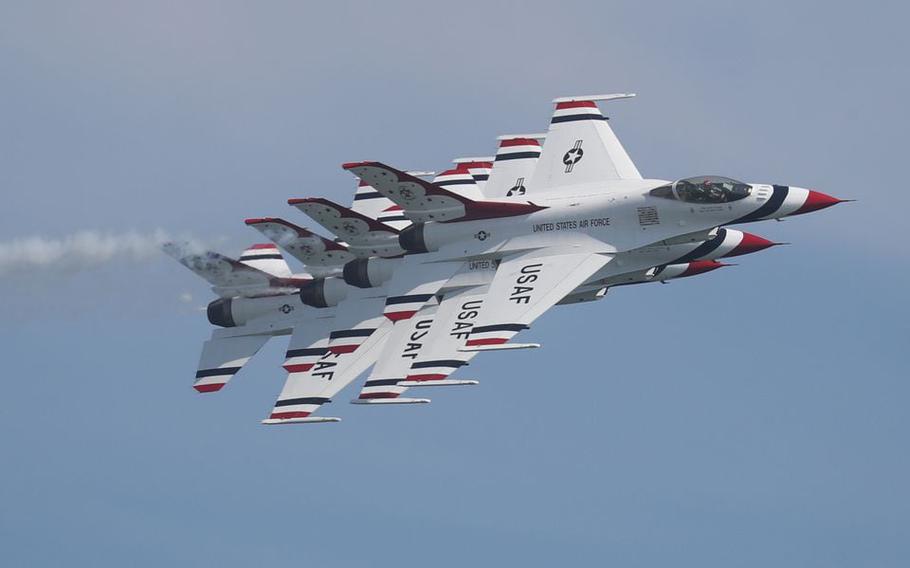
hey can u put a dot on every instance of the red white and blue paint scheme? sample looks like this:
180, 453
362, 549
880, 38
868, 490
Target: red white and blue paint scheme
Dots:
424, 275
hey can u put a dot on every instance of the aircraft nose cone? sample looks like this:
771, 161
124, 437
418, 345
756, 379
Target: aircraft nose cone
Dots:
702, 266
816, 201
750, 243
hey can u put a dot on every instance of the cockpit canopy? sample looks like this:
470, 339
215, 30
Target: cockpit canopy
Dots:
704, 189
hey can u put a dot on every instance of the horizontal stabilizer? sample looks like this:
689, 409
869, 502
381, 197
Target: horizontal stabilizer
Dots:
306, 246
425, 201
439, 383
365, 236
230, 277
499, 347
401, 400
306, 420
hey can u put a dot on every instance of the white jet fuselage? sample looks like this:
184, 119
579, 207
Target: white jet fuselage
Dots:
620, 218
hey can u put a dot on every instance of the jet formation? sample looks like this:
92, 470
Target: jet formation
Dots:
424, 270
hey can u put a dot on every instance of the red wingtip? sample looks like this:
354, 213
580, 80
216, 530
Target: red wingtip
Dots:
369, 395
298, 200
398, 316
263, 246
211, 387
257, 220
349, 165
290, 414
487, 341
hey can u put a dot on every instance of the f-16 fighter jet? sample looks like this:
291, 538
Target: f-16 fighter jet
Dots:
465, 262
259, 297
585, 219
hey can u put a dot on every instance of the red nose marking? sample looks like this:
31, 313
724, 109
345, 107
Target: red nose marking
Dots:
816, 200
750, 243
701, 266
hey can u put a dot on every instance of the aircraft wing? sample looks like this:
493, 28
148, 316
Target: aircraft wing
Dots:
315, 251
526, 286
405, 342
414, 283
425, 201
223, 357
424, 351
328, 355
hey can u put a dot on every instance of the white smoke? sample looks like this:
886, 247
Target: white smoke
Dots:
78, 252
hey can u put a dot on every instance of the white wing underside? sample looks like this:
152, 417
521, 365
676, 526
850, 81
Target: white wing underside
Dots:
328, 355
224, 357
526, 286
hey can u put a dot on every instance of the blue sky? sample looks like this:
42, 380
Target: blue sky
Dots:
755, 415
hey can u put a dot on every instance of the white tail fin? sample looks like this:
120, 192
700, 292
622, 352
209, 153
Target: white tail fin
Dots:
581, 147
369, 202
267, 258
479, 169
460, 181
513, 166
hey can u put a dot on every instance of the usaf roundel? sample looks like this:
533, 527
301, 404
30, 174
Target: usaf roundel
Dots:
573, 156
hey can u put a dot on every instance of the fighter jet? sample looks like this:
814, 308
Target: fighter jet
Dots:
477, 272
443, 270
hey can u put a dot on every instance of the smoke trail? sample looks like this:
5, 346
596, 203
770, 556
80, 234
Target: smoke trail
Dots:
80, 251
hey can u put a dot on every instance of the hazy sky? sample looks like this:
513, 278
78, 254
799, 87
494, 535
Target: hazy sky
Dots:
755, 416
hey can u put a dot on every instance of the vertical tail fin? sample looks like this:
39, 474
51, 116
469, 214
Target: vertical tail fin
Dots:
267, 258
479, 168
513, 166
459, 180
581, 147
